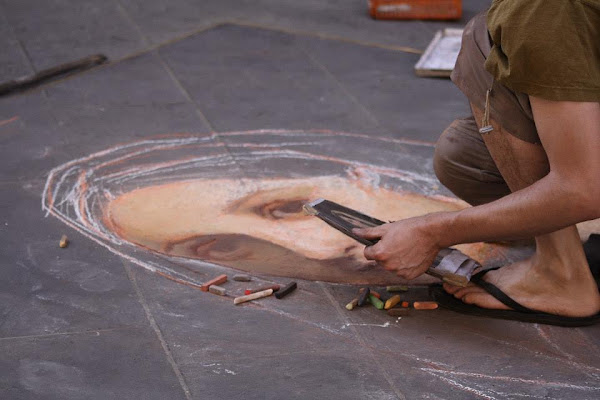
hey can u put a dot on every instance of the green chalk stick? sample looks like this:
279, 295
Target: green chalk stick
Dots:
397, 288
376, 302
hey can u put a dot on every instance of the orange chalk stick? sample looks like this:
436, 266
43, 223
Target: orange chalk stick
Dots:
217, 281
405, 304
425, 305
392, 301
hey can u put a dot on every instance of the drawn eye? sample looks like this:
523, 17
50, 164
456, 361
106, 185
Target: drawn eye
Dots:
276, 204
281, 209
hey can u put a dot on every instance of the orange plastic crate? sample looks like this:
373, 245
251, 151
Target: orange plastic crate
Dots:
415, 9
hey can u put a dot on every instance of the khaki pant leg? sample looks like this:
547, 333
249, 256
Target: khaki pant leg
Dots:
464, 165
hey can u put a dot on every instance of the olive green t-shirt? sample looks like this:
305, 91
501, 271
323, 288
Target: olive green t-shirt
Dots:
546, 48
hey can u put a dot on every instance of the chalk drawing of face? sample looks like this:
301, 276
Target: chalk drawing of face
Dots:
191, 201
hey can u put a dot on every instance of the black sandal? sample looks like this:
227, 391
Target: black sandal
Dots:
518, 312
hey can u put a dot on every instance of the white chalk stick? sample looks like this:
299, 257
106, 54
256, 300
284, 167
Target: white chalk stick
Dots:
242, 278
214, 289
253, 296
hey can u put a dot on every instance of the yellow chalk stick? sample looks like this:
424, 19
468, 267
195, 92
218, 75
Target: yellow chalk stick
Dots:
392, 301
350, 306
64, 241
397, 288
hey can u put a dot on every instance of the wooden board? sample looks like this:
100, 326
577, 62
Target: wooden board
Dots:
440, 56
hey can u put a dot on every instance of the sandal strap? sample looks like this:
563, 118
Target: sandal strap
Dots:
497, 293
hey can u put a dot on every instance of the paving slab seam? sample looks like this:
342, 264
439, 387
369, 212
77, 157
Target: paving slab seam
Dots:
29, 60
331, 76
46, 335
4, 17
175, 79
123, 11
183, 90
589, 370
151, 48
362, 342
403, 49
199, 111
157, 331
165, 65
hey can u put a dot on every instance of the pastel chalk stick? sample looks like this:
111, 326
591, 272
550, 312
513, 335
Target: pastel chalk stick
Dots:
253, 296
289, 288
217, 281
392, 301
397, 288
242, 278
250, 291
350, 306
376, 302
425, 305
363, 295
214, 289
64, 242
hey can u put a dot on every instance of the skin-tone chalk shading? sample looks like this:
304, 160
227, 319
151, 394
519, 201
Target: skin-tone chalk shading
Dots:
378, 304
221, 222
363, 295
397, 288
350, 306
253, 296
392, 301
64, 241
289, 288
214, 289
398, 312
242, 278
275, 288
425, 305
405, 304
217, 281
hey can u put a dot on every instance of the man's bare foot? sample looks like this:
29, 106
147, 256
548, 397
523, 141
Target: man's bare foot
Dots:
541, 284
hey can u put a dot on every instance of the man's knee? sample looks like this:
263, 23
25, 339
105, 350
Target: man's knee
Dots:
448, 156
464, 165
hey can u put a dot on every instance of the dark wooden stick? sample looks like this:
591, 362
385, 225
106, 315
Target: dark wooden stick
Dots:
29, 81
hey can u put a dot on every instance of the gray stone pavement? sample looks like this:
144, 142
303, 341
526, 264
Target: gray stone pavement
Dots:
85, 323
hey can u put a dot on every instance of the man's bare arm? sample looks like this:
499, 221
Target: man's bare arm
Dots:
568, 194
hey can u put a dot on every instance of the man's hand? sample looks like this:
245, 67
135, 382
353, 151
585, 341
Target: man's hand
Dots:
407, 247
